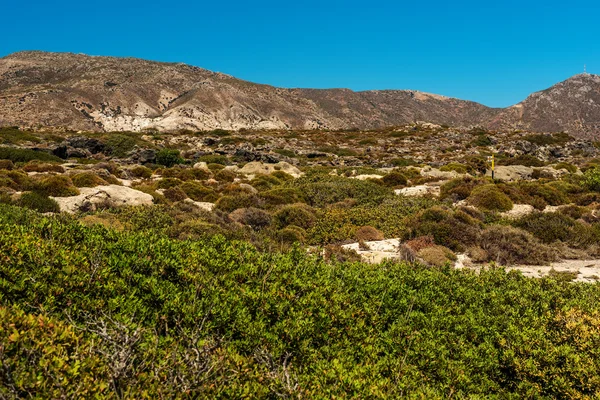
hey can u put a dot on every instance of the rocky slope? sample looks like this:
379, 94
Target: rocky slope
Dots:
113, 94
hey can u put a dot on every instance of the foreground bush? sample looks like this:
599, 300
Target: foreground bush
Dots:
84, 315
38, 202
506, 245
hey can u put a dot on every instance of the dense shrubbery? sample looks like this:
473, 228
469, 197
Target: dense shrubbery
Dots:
82, 314
25, 155
168, 157
490, 198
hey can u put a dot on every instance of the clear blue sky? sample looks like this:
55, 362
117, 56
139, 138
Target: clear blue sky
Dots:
494, 52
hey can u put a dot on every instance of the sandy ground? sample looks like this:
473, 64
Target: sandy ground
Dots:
586, 270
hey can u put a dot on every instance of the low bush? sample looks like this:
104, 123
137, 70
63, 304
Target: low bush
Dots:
87, 179
281, 196
6, 165
38, 202
36, 166
460, 188
552, 227
436, 256
299, 215
450, 228
256, 218
25, 155
265, 182
490, 198
225, 175
213, 159
368, 233
175, 194
139, 171
166, 183
291, 234
56, 186
456, 167
198, 192
523, 159
507, 245
168, 157
394, 179
592, 179
230, 203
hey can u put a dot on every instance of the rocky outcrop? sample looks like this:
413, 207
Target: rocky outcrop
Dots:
90, 199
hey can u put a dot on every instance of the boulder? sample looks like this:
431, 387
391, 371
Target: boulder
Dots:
518, 211
509, 173
419, 191
109, 195
92, 145
201, 165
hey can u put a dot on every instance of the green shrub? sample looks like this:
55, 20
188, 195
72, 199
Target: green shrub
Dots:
368, 233
282, 176
166, 183
87, 179
36, 166
402, 162
281, 196
552, 227
460, 188
175, 194
523, 159
25, 155
139, 171
56, 186
120, 145
256, 218
490, 198
565, 165
324, 190
437, 256
482, 141
394, 179
198, 192
460, 168
38, 202
291, 234
265, 182
592, 179
225, 175
168, 157
213, 159
453, 229
6, 165
299, 215
507, 245
230, 203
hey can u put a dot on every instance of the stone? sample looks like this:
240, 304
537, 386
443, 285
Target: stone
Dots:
509, 173
108, 195
419, 191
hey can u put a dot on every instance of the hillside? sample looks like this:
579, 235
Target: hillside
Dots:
80, 92
106, 93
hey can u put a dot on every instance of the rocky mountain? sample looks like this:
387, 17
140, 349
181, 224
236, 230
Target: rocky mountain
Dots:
82, 92
571, 106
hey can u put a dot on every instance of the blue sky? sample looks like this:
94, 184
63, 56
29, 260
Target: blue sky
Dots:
495, 53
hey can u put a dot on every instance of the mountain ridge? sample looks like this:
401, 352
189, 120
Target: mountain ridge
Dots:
101, 93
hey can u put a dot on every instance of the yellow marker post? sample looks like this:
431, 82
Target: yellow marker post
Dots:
492, 166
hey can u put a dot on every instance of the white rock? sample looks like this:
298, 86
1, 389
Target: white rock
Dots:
114, 195
510, 173
364, 177
203, 205
518, 211
201, 165
419, 191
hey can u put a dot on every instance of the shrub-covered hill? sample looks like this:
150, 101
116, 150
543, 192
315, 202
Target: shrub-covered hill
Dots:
87, 312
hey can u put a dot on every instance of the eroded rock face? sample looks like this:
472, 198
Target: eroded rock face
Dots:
109, 195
